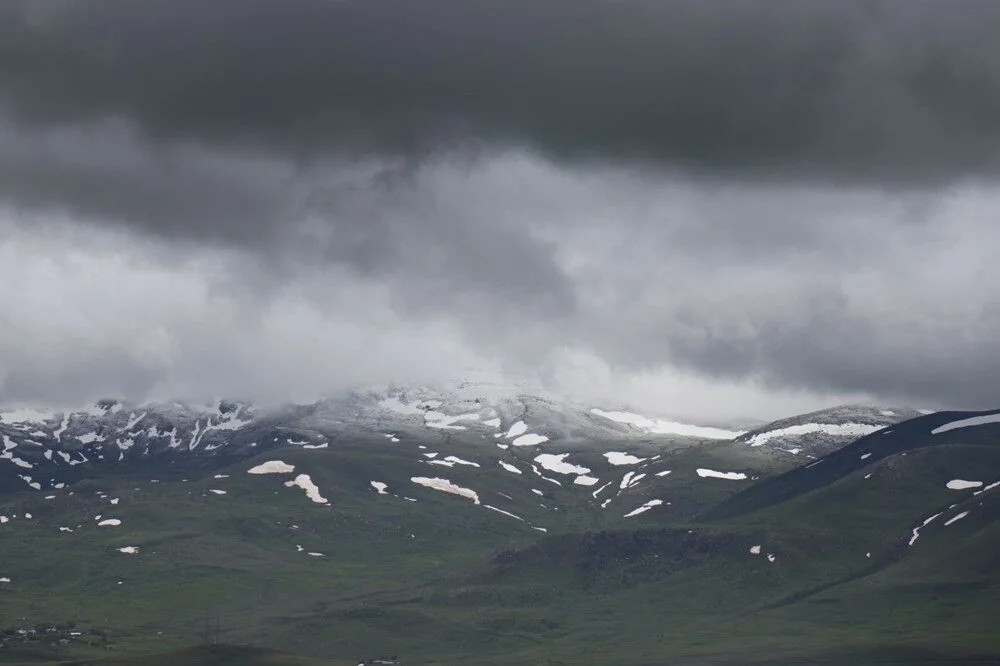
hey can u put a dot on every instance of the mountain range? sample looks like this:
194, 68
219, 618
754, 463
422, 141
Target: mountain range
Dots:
484, 524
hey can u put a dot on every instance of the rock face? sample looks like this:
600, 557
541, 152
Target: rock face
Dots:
818, 433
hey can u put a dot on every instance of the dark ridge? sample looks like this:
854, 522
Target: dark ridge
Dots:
904, 436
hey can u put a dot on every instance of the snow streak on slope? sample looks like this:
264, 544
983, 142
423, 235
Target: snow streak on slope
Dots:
956, 518
967, 423
712, 474
660, 427
645, 507
510, 468
916, 530
447, 486
506, 513
836, 429
819, 433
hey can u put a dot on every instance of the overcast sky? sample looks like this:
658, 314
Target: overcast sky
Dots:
704, 208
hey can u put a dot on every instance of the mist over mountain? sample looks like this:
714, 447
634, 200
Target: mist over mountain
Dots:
502, 332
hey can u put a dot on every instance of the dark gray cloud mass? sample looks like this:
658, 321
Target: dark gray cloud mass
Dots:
794, 193
893, 89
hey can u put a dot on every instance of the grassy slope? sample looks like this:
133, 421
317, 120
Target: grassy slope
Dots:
670, 589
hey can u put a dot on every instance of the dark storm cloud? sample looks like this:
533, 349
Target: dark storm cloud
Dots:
101, 172
371, 217
788, 192
898, 90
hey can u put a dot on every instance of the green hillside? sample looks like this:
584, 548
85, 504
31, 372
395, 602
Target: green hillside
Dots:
825, 575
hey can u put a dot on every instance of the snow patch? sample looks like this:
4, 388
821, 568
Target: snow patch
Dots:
530, 440
989, 487
542, 476
272, 467
755, 550
957, 518
584, 480
961, 484
916, 530
506, 513
556, 463
446, 422
109, 522
305, 483
711, 473
621, 458
629, 480
133, 421
379, 486
129, 550
516, 429
509, 467
17, 461
835, 429
444, 485
598, 491
967, 423
27, 479
645, 507
660, 427
57, 433
459, 461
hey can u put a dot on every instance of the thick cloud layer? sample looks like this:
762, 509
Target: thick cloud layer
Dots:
770, 205
899, 90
